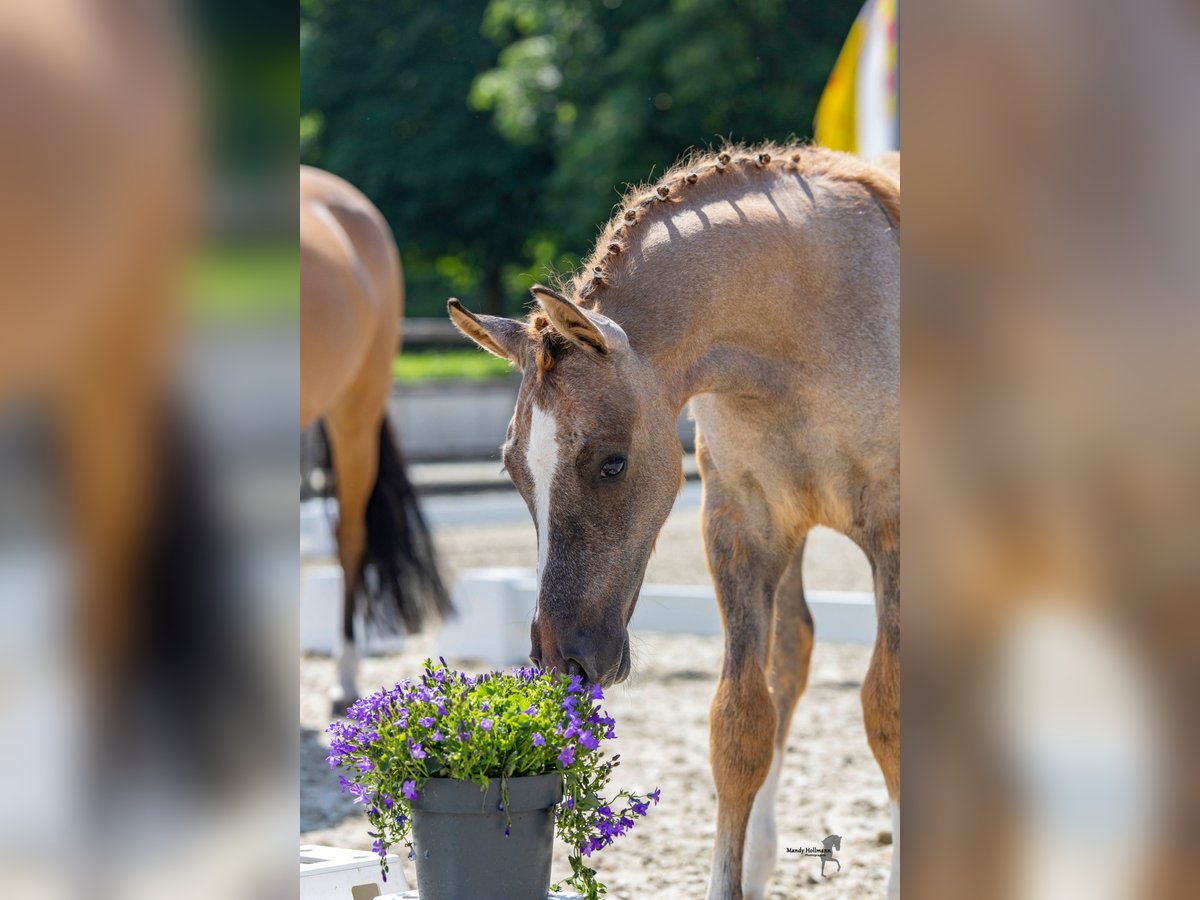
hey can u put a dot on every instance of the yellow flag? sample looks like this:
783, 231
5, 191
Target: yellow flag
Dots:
858, 111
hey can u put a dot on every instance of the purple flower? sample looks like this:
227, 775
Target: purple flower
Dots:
377, 848
569, 704
340, 744
596, 692
485, 724
588, 740
410, 790
532, 711
438, 736
576, 685
426, 721
387, 800
654, 795
486, 706
415, 749
364, 765
567, 756
344, 782
640, 807
538, 740
571, 803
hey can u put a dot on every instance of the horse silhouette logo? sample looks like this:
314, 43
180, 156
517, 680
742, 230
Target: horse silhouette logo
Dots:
824, 852
831, 843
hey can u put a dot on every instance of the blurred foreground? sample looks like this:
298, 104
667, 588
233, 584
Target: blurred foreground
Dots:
147, 452
1051, 436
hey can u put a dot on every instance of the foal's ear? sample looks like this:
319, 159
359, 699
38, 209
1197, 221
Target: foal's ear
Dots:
505, 338
572, 321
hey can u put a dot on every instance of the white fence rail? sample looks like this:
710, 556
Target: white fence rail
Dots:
495, 606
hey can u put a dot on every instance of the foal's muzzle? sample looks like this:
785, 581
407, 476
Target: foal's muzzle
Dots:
598, 657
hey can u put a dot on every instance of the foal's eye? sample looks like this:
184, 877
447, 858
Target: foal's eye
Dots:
612, 467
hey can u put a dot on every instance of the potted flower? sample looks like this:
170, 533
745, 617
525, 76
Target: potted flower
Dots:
475, 774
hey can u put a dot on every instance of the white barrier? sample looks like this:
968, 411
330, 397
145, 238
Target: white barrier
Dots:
321, 593
495, 606
331, 873
320, 609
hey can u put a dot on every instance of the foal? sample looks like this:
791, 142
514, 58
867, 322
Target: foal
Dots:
762, 285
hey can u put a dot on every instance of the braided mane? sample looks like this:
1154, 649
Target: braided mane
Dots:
881, 181
807, 159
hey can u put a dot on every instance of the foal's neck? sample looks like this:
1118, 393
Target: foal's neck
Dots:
704, 300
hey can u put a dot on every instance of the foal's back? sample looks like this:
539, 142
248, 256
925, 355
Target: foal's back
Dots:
821, 256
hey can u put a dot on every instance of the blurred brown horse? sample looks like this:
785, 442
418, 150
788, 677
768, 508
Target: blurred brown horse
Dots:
98, 171
351, 304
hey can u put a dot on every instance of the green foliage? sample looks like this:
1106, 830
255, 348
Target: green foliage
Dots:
622, 89
384, 90
412, 367
246, 282
496, 136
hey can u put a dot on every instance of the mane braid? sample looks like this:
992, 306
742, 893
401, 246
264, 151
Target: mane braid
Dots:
806, 159
549, 345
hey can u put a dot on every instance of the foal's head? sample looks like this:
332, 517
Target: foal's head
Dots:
593, 449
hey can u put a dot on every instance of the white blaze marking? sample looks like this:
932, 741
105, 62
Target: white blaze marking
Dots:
894, 881
542, 460
758, 858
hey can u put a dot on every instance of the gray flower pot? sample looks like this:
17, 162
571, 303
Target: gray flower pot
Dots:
460, 846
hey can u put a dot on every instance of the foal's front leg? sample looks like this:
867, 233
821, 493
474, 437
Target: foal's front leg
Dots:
746, 565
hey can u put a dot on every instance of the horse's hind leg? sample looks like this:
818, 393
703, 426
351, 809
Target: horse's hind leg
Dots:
791, 651
747, 560
881, 692
354, 449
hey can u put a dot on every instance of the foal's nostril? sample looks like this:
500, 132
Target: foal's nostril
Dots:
574, 667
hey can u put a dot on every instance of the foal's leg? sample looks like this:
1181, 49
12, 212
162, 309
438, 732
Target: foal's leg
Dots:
791, 651
354, 451
881, 692
746, 561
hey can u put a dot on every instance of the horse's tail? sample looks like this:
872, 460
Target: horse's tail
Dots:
399, 582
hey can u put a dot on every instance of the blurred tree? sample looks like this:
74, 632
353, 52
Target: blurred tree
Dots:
383, 95
620, 89
497, 135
